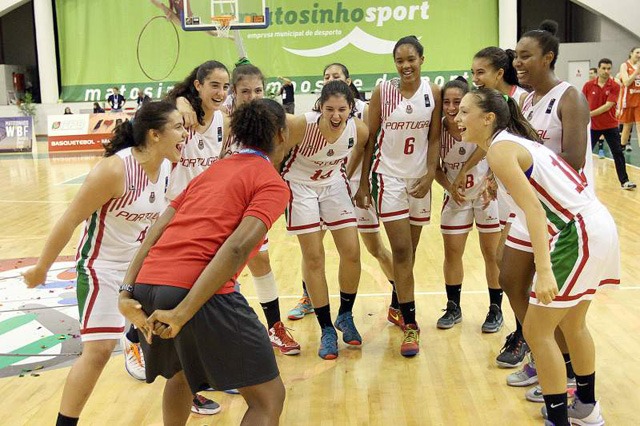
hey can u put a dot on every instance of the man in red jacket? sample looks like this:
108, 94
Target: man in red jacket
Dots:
602, 94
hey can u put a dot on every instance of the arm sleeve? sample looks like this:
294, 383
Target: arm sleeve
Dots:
269, 201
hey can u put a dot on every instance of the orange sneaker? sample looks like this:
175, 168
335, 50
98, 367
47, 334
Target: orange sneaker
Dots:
395, 317
411, 342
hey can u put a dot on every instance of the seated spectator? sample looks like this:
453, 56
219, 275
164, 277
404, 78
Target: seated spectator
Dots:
67, 111
97, 108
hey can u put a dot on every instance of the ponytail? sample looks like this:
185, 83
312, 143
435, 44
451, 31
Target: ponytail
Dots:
122, 138
151, 116
507, 112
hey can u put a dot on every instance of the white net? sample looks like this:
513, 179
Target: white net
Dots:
223, 25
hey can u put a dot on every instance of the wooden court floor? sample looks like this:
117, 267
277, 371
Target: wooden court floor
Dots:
453, 381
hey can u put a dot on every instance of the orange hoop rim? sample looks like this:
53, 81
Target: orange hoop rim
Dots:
223, 20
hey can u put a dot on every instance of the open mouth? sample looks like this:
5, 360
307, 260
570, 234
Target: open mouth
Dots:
462, 130
335, 124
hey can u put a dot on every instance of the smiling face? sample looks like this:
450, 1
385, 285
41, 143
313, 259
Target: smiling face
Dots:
248, 88
408, 63
475, 125
335, 72
451, 103
213, 90
171, 137
485, 74
530, 63
335, 110
635, 56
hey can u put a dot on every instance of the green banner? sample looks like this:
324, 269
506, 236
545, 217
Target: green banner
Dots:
140, 45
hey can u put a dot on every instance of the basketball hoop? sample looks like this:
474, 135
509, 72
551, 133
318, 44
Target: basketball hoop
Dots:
223, 25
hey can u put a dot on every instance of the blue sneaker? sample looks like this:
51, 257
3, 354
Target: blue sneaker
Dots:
350, 335
328, 344
304, 307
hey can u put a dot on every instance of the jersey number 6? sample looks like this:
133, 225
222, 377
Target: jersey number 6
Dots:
408, 145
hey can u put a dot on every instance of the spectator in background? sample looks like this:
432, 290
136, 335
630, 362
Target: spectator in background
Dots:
97, 108
67, 111
288, 100
602, 94
593, 73
116, 100
142, 98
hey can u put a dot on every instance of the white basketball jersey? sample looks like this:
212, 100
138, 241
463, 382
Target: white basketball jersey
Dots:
113, 233
358, 113
453, 155
516, 93
404, 131
560, 189
543, 117
315, 161
198, 153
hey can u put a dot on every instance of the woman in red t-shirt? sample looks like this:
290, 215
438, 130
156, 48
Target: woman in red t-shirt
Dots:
185, 273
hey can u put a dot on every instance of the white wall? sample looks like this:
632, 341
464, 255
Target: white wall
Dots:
7, 94
625, 12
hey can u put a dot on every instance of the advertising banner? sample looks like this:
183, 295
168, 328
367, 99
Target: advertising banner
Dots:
16, 134
82, 132
140, 45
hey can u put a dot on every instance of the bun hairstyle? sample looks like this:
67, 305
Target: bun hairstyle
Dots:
501, 60
508, 115
187, 90
413, 41
546, 38
150, 116
336, 88
256, 123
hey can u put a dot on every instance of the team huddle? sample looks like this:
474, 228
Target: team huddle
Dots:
515, 162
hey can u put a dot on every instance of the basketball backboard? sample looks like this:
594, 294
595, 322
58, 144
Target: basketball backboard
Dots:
200, 15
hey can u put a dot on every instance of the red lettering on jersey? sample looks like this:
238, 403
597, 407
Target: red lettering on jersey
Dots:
137, 217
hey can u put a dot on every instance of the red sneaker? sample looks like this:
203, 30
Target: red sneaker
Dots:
395, 317
411, 342
282, 339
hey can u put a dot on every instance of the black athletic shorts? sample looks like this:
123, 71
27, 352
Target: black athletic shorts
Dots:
223, 346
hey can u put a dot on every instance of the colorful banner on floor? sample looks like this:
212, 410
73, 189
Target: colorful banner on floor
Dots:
83, 132
16, 134
141, 46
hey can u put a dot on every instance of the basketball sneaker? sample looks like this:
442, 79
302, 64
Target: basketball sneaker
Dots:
452, 316
493, 322
304, 307
328, 343
581, 414
282, 339
394, 316
411, 342
513, 352
527, 376
133, 358
204, 406
535, 394
350, 334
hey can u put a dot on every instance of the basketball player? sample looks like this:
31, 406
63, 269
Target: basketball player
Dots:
247, 84
573, 238
320, 196
560, 114
208, 332
404, 122
492, 68
119, 200
368, 225
461, 210
630, 96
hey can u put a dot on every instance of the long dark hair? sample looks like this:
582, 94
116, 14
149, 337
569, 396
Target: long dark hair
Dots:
501, 60
545, 35
256, 123
187, 90
150, 116
508, 115
336, 88
245, 70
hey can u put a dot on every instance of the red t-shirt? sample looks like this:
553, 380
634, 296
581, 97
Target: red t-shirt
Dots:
598, 96
208, 212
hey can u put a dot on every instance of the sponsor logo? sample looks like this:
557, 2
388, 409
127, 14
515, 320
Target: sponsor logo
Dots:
152, 197
350, 143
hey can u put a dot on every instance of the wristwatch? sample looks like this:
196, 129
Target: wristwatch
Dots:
126, 287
